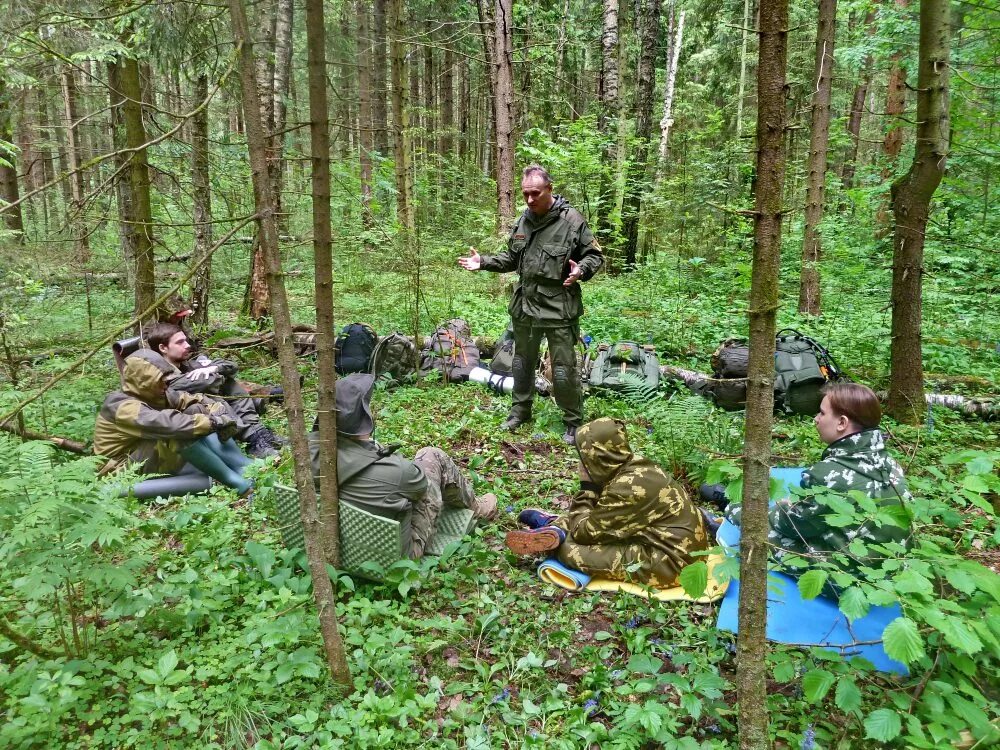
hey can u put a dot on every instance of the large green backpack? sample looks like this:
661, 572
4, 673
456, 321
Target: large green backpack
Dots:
801, 368
395, 358
622, 363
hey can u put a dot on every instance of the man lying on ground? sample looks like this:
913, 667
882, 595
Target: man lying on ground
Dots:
629, 521
855, 459
147, 423
216, 379
376, 479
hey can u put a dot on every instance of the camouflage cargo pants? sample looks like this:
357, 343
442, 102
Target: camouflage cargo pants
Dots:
616, 562
446, 485
565, 372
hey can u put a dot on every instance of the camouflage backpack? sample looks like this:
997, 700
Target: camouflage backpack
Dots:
451, 351
623, 359
395, 358
503, 356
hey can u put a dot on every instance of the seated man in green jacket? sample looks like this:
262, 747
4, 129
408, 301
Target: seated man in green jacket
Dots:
377, 479
629, 521
855, 459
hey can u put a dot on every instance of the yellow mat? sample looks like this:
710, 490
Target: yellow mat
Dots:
715, 590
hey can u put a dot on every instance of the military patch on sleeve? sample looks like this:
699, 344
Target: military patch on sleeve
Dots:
520, 236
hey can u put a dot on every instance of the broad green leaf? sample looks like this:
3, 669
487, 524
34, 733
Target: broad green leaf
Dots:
644, 664
263, 557
960, 635
839, 520
911, 582
167, 663
980, 465
811, 583
902, 641
975, 483
962, 580
853, 603
694, 579
882, 725
848, 696
692, 704
816, 683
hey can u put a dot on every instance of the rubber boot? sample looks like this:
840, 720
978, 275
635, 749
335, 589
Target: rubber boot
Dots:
201, 455
230, 452
180, 484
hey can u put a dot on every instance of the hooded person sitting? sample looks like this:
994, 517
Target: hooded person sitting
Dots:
629, 521
160, 429
376, 479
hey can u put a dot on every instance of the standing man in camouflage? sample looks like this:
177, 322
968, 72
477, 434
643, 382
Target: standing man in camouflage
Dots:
552, 249
629, 521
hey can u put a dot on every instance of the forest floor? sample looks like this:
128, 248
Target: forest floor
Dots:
213, 641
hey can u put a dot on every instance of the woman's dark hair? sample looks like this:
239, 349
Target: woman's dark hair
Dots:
856, 402
160, 334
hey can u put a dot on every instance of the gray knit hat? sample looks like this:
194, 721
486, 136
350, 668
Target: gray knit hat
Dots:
354, 412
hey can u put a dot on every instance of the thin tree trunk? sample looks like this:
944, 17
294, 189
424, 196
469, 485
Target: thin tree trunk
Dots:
380, 114
895, 103
856, 114
9, 193
819, 139
559, 83
127, 231
429, 91
487, 32
282, 76
464, 110
400, 117
610, 113
911, 198
446, 127
364, 51
667, 121
503, 48
323, 590
138, 208
751, 654
73, 155
741, 92
638, 168
201, 195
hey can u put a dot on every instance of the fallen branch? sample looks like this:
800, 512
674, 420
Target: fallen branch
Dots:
59, 442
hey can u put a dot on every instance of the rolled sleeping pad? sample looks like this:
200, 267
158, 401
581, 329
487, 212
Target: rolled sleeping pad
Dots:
497, 383
177, 484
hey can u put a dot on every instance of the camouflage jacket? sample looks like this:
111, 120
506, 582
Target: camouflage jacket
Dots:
540, 249
143, 423
631, 500
856, 462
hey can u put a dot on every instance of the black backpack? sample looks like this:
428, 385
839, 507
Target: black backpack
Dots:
503, 356
353, 348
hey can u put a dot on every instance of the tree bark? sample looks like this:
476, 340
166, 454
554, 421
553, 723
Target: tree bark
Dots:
367, 145
819, 139
503, 65
639, 167
283, 27
751, 654
9, 193
74, 160
446, 127
201, 196
610, 113
323, 590
667, 120
855, 116
911, 198
895, 103
487, 31
743, 70
400, 118
380, 114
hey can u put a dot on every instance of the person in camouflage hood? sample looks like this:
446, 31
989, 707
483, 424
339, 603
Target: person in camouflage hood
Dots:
855, 459
551, 248
160, 429
628, 513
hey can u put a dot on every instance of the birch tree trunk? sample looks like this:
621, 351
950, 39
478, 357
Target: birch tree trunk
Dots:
503, 49
911, 198
74, 151
610, 114
201, 195
323, 590
667, 122
751, 644
283, 26
819, 139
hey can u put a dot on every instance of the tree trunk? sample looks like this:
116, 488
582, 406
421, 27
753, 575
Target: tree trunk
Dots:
819, 138
486, 28
9, 193
668, 91
751, 654
610, 113
638, 168
364, 51
446, 127
400, 117
856, 114
743, 70
559, 83
911, 198
429, 91
201, 196
895, 103
136, 210
503, 65
74, 161
282, 76
380, 115
323, 590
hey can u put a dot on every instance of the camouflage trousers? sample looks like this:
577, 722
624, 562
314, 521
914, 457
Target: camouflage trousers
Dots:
565, 372
446, 485
616, 562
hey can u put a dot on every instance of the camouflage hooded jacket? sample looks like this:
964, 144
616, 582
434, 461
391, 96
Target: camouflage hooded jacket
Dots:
632, 501
539, 249
856, 462
143, 421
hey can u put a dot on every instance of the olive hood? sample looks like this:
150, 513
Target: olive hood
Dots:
604, 448
143, 377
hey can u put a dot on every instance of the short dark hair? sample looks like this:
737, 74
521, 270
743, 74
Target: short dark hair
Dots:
160, 334
537, 169
856, 402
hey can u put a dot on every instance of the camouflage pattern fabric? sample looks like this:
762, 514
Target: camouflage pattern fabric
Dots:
631, 513
224, 386
446, 485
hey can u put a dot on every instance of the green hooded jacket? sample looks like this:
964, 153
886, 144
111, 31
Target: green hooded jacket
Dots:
540, 249
632, 501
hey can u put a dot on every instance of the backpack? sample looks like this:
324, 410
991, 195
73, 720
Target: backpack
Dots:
503, 356
395, 357
624, 357
452, 351
353, 348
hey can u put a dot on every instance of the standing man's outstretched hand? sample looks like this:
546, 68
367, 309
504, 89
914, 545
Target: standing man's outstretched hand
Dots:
472, 263
575, 272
